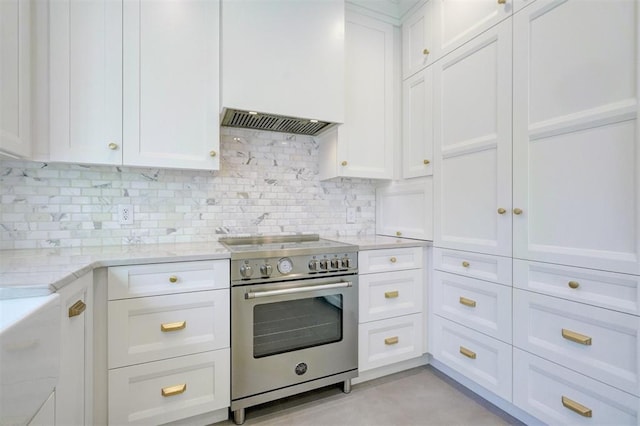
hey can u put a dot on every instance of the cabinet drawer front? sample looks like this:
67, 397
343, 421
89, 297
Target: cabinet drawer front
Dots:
152, 328
540, 385
484, 360
389, 341
597, 342
390, 294
385, 260
167, 278
475, 265
599, 288
481, 305
136, 393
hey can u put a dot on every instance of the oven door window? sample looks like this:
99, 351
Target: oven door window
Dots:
291, 325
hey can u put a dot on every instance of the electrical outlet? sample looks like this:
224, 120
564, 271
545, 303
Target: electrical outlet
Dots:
125, 214
351, 215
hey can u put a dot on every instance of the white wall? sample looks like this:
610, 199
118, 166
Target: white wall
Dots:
267, 183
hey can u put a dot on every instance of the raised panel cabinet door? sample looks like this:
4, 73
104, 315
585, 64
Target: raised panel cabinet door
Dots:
85, 81
576, 151
15, 77
417, 125
458, 21
417, 40
472, 141
171, 84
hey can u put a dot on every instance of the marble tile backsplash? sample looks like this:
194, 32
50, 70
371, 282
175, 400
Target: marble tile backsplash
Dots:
267, 183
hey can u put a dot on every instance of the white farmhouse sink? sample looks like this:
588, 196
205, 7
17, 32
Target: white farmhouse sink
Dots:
29, 355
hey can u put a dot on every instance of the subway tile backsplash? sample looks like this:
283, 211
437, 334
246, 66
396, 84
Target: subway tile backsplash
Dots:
267, 183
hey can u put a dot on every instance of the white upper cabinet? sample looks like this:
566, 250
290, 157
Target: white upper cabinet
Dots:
284, 57
404, 208
363, 146
15, 78
134, 83
417, 124
576, 148
417, 40
472, 139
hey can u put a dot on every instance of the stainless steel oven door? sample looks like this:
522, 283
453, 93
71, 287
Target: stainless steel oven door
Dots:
284, 334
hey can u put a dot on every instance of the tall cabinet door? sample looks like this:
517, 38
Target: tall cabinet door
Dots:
171, 85
576, 150
85, 81
417, 40
472, 139
417, 125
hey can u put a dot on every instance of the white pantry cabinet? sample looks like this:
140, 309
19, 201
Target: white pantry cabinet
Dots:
404, 208
15, 78
472, 128
73, 396
417, 124
576, 151
134, 83
363, 146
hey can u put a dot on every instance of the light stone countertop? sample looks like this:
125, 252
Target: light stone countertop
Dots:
39, 272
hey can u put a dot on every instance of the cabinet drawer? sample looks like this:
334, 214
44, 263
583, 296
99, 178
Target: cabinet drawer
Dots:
540, 385
136, 392
474, 265
599, 288
167, 278
480, 358
386, 260
390, 294
481, 305
152, 328
597, 342
389, 341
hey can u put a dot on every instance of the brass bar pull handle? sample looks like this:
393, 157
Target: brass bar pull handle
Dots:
502, 1
174, 390
468, 353
576, 407
173, 279
173, 326
467, 302
574, 284
391, 294
77, 308
576, 337
393, 259
391, 340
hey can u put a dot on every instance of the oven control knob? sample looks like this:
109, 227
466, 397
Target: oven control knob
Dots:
314, 265
246, 271
324, 264
336, 263
266, 270
346, 262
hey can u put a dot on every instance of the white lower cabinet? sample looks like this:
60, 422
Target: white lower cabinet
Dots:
557, 395
389, 341
483, 359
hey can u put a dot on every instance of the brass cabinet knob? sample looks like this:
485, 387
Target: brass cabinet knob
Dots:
574, 284
173, 279
113, 146
393, 259
502, 1
344, 163
212, 153
501, 211
426, 162
398, 233
425, 51
77, 308
465, 264
517, 211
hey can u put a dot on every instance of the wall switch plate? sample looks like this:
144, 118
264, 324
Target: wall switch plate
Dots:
351, 215
125, 214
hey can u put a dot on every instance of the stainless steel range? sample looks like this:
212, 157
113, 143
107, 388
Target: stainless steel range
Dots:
294, 317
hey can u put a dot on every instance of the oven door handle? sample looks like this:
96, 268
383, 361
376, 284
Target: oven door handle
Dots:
293, 290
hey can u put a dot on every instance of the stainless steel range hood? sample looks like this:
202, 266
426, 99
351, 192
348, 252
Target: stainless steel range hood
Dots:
273, 123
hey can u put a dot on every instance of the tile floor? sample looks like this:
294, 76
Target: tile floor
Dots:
420, 396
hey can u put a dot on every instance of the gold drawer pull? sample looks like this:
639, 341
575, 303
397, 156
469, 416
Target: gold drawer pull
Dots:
578, 408
465, 264
173, 326
468, 353
391, 294
391, 340
173, 279
77, 308
393, 259
174, 390
467, 302
574, 284
576, 337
